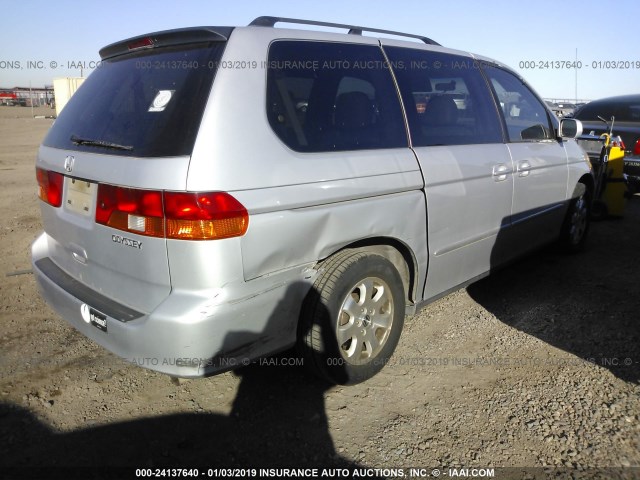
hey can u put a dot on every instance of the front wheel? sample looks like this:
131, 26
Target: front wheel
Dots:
352, 318
576, 223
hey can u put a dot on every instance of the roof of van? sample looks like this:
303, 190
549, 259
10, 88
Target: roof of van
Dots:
183, 36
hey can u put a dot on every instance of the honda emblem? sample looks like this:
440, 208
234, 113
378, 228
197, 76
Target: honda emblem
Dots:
68, 163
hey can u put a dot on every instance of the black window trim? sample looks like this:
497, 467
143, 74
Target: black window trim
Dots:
407, 127
494, 97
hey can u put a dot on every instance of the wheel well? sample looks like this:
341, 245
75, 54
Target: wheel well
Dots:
396, 252
587, 180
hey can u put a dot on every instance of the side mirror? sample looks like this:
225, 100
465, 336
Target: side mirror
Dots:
570, 128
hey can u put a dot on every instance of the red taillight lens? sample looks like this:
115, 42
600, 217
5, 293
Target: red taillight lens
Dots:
179, 215
50, 186
204, 216
131, 210
636, 148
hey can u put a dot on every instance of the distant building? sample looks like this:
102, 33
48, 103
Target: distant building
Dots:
27, 97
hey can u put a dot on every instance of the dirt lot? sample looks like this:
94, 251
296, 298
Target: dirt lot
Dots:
538, 365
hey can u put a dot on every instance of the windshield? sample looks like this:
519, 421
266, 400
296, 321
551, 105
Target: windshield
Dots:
150, 103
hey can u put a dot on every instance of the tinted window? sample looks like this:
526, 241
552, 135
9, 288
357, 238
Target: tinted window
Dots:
149, 102
330, 96
525, 115
447, 99
623, 111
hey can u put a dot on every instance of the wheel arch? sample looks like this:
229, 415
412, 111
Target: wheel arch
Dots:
588, 181
394, 250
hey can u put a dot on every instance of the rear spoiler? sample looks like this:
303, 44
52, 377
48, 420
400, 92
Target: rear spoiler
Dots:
181, 36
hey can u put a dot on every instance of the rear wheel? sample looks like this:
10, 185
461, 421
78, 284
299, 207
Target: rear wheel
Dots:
352, 318
576, 223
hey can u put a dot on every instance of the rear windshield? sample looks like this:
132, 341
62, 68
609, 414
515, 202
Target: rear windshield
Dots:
147, 104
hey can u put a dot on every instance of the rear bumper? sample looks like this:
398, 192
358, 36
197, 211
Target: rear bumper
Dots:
632, 166
190, 334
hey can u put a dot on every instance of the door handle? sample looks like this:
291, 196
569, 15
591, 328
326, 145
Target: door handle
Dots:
500, 172
524, 169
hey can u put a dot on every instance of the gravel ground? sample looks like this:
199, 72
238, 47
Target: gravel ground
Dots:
536, 366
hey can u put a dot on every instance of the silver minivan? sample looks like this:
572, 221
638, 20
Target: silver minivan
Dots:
214, 195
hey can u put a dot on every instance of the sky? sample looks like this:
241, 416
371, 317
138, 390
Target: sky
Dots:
541, 39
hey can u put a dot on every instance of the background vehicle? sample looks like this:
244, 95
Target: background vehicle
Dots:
626, 110
561, 109
565, 109
551, 105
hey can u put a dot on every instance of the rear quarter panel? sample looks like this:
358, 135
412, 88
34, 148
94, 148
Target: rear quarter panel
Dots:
578, 164
303, 206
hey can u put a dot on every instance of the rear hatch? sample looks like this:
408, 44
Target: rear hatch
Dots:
121, 143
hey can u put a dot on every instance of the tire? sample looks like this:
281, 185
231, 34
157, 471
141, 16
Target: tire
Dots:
576, 223
352, 318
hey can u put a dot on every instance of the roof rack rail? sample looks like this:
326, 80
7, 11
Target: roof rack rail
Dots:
353, 30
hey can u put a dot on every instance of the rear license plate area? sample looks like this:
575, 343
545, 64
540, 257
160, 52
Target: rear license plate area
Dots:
79, 197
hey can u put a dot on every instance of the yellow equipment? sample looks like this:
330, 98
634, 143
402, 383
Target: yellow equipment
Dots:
606, 154
614, 186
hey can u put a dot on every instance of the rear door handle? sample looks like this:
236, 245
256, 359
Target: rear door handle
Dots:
500, 172
524, 169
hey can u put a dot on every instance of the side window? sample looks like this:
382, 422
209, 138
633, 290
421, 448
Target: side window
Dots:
524, 114
447, 100
329, 97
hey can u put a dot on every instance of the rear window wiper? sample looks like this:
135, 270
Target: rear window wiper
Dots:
99, 143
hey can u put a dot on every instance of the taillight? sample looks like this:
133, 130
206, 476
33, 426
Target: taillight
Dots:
131, 210
204, 216
178, 215
50, 186
636, 148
